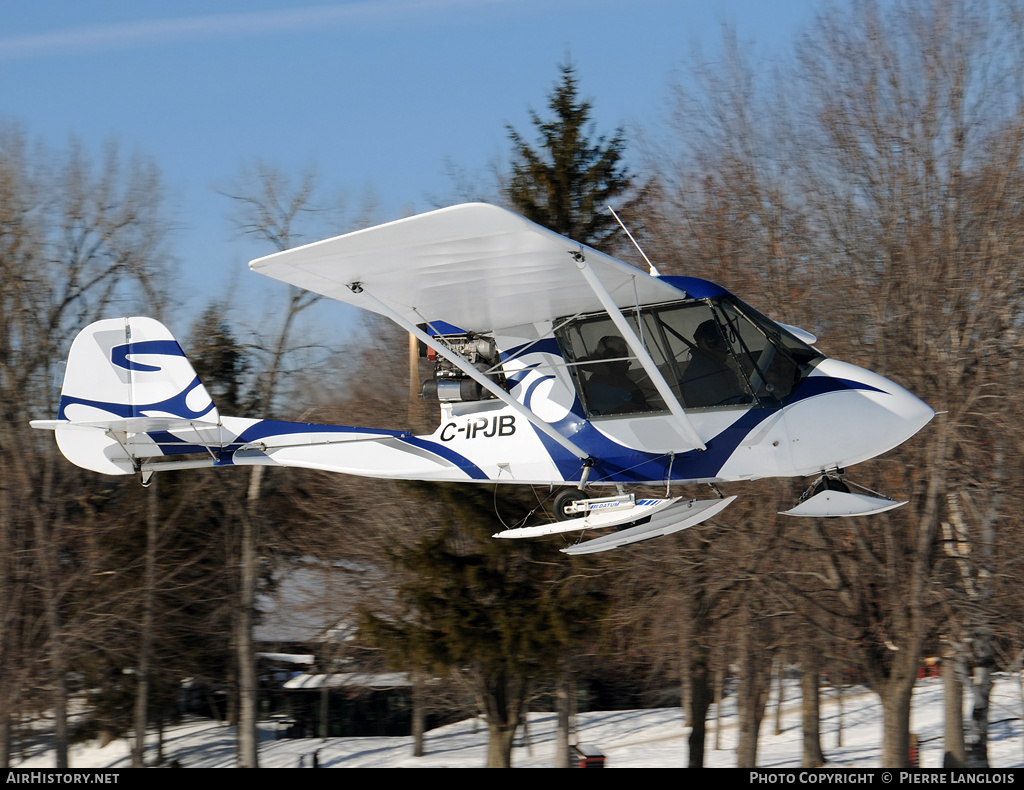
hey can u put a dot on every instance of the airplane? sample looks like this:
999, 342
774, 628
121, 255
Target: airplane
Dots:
554, 365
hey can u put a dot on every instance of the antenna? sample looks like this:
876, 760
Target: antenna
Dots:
654, 271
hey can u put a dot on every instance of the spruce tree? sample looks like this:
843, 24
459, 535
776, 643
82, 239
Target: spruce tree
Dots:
499, 613
568, 179
219, 359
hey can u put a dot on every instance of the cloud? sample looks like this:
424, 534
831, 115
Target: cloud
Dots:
103, 38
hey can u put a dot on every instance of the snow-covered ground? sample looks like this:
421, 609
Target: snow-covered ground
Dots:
629, 739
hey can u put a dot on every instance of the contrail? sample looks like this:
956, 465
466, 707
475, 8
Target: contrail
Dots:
100, 38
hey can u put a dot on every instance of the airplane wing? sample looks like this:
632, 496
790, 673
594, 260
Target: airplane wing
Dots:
476, 266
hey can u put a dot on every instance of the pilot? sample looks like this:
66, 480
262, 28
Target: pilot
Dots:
610, 390
709, 379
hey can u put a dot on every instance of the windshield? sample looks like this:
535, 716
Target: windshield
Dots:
712, 353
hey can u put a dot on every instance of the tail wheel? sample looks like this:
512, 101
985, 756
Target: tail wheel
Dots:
564, 499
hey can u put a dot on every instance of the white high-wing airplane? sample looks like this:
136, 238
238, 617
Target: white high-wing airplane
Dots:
554, 364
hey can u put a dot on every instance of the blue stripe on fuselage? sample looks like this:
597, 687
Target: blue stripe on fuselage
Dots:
616, 463
172, 445
467, 466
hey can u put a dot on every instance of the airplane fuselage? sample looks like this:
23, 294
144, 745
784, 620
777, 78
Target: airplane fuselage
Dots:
821, 414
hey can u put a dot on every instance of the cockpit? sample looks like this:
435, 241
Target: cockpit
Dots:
713, 353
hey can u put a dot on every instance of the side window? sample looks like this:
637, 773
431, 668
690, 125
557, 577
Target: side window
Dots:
712, 354
774, 361
607, 375
705, 364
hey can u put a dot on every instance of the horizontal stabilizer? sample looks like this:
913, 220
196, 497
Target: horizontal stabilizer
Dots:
107, 446
126, 425
829, 504
672, 519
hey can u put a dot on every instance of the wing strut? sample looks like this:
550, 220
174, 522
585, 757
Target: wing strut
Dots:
469, 370
648, 364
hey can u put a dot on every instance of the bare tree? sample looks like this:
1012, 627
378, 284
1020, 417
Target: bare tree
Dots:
882, 177
272, 208
916, 108
268, 208
75, 238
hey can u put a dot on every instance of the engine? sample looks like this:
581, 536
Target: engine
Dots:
450, 384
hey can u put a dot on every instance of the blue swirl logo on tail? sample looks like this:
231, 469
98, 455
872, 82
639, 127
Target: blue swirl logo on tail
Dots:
124, 405
120, 355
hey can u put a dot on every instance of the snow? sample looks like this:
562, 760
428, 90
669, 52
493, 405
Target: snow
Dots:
629, 739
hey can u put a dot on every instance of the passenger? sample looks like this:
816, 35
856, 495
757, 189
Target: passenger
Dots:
780, 380
610, 390
709, 379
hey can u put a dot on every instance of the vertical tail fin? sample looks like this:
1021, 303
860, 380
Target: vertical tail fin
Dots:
127, 368
125, 377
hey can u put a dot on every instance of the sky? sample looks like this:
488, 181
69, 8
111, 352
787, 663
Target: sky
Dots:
380, 98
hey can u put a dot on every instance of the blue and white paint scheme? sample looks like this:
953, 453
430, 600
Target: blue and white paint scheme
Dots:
555, 364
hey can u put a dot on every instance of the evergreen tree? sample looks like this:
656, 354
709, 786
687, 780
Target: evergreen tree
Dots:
499, 613
566, 182
220, 361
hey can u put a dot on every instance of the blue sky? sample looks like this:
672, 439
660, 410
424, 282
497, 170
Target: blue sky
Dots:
377, 96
